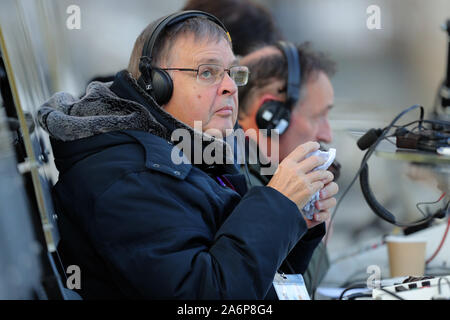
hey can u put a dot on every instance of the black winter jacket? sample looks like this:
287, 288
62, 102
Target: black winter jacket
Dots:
140, 226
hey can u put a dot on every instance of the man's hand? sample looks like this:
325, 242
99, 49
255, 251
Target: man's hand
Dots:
294, 179
325, 203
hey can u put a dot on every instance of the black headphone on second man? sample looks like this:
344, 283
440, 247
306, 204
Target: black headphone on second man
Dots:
158, 83
275, 114
153, 80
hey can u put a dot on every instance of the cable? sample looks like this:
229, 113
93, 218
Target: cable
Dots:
363, 163
422, 203
391, 142
315, 274
359, 295
439, 122
368, 195
384, 133
354, 286
289, 266
422, 113
392, 294
442, 241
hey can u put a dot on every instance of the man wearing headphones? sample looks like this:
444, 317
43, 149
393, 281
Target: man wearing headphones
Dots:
289, 90
140, 224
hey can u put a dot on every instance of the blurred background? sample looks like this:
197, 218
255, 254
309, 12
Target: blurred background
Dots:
380, 72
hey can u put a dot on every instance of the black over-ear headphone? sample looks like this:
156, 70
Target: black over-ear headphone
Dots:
275, 114
153, 80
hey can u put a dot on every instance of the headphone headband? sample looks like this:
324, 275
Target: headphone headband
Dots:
294, 73
172, 19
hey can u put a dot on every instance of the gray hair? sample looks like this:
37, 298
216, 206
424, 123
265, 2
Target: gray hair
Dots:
201, 27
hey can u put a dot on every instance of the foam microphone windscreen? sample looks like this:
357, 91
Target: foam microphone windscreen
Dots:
369, 138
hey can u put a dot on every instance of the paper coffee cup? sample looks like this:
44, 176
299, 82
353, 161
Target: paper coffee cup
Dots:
406, 256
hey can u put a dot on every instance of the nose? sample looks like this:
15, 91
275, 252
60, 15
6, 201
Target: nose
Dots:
227, 86
324, 134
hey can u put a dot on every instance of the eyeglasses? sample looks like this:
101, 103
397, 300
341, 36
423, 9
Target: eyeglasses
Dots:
211, 74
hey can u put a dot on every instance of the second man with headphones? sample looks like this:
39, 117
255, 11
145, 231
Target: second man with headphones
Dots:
290, 91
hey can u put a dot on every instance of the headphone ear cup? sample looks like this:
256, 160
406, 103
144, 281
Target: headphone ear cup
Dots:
273, 115
162, 86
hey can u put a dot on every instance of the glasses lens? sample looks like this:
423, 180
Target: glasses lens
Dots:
209, 73
239, 74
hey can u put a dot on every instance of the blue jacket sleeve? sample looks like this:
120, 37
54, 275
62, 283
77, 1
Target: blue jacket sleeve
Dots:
165, 246
300, 256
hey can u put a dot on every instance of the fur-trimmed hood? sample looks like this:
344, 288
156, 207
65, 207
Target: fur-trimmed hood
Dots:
67, 118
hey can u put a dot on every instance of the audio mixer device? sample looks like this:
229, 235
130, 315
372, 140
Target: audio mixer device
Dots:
425, 288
